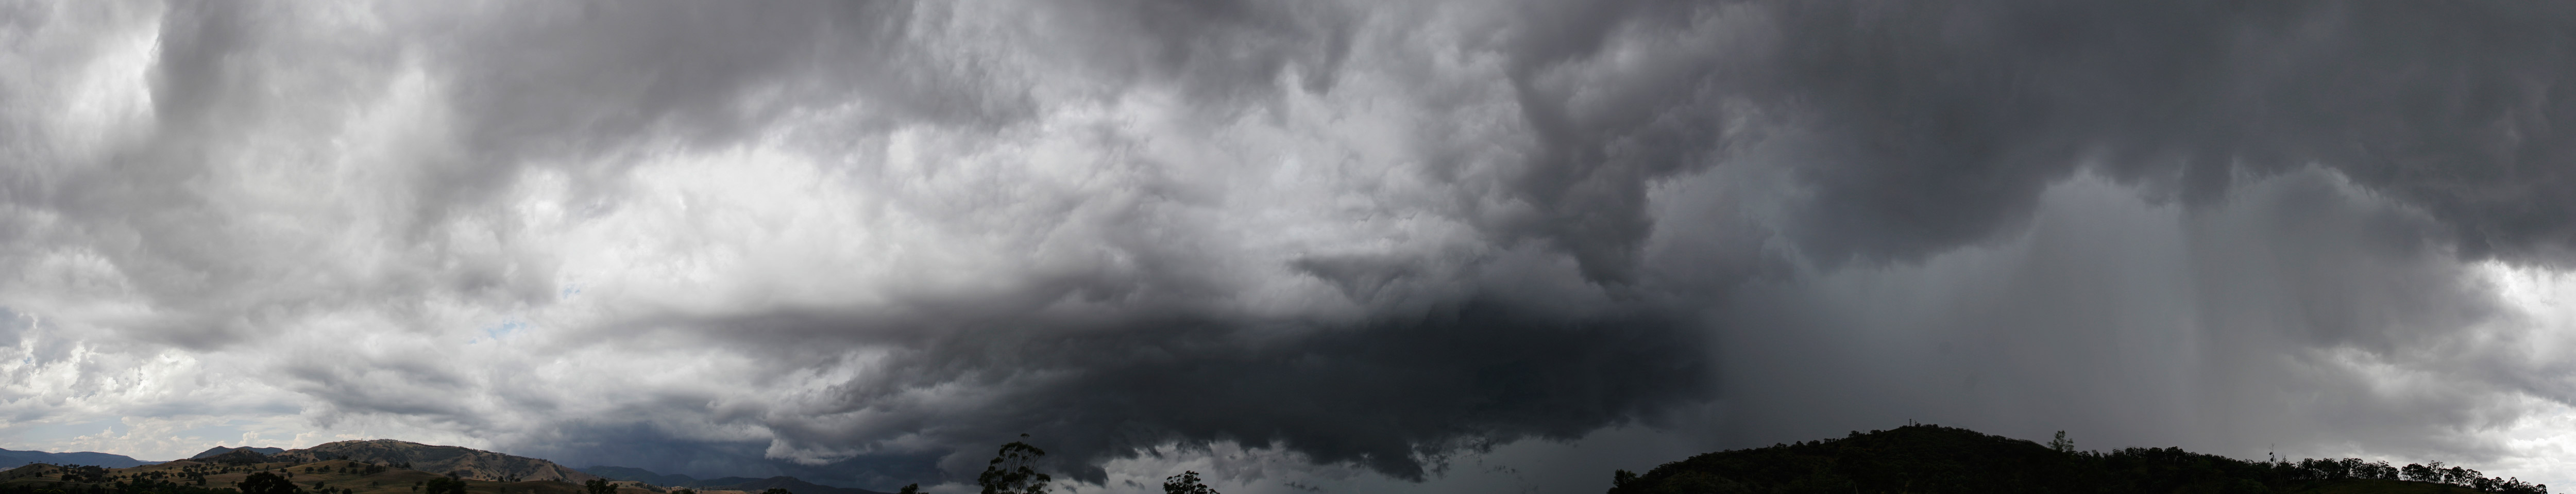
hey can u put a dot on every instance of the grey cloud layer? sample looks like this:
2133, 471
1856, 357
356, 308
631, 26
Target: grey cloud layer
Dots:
890, 234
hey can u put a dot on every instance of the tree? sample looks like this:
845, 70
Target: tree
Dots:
910, 489
1013, 470
268, 483
598, 486
2062, 444
1186, 483
776, 490
443, 485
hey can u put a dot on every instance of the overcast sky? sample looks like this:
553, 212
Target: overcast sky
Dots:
1299, 246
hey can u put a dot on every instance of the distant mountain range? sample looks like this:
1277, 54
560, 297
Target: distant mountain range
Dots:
222, 449
747, 484
457, 461
14, 459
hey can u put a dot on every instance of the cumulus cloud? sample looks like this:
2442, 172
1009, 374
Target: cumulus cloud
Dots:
863, 242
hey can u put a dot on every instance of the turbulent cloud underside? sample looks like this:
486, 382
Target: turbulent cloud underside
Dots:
863, 242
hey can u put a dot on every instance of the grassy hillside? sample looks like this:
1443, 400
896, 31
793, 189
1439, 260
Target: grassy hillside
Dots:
458, 461
1935, 459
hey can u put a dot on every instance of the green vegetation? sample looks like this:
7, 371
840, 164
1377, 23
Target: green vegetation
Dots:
1935, 459
443, 485
1013, 470
267, 483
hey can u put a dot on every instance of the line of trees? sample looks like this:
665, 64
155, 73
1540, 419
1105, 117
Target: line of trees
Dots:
1929, 458
153, 486
2307, 469
2355, 468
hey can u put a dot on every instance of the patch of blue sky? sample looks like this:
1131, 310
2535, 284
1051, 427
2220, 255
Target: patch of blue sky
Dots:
500, 330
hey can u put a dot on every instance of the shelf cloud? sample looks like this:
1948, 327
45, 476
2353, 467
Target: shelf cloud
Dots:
865, 242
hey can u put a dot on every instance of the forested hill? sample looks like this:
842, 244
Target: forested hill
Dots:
1935, 459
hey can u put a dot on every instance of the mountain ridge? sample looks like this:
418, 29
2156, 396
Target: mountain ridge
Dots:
505, 473
14, 459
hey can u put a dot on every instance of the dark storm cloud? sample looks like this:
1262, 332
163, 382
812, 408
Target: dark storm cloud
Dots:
570, 82
2339, 166
1389, 394
1657, 204
1939, 122
2302, 313
1909, 130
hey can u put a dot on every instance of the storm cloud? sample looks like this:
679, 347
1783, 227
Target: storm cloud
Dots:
864, 242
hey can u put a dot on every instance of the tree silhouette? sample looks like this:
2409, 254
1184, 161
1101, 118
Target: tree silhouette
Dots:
1013, 471
598, 486
776, 490
2062, 444
910, 489
1186, 483
442, 485
267, 483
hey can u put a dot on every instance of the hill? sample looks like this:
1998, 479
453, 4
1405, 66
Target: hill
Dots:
1935, 459
14, 459
228, 449
457, 461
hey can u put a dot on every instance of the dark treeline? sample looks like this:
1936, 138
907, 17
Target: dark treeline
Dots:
188, 479
1935, 459
138, 486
